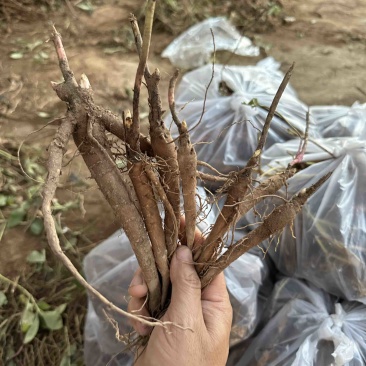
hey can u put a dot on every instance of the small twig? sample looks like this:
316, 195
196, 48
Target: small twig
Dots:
133, 135
207, 165
62, 58
208, 85
303, 143
23, 290
23, 141
210, 178
273, 107
138, 40
171, 98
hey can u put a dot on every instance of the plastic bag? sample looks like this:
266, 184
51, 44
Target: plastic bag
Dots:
326, 244
304, 326
110, 268
339, 121
193, 48
228, 133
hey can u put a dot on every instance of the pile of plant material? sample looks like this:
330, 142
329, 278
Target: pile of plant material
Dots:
158, 171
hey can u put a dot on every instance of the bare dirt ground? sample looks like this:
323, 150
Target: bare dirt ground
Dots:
326, 39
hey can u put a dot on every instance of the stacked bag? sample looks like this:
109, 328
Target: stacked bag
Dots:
304, 303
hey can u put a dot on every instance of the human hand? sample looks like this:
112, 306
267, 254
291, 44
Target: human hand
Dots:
207, 314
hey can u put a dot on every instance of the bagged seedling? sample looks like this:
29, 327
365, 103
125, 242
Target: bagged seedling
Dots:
303, 325
193, 47
110, 268
339, 121
326, 243
234, 112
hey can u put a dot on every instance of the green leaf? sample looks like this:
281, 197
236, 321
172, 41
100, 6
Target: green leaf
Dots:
32, 46
28, 317
3, 200
36, 256
37, 226
51, 319
61, 308
23, 299
44, 55
66, 359
274, 10
16, 217
253, 103
121, 163
33, 190
32, 330
3, 299
43, 305
86, 6
16, 55
71, 243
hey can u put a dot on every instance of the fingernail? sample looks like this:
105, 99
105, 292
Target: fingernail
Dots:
184, 254
137, 280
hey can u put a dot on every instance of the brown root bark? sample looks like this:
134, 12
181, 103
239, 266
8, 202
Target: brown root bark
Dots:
187, 162
54, 164
89, 136
166, 154
153, 222
274, 223
162, 144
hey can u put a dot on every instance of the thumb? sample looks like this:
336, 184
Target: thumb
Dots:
186, 285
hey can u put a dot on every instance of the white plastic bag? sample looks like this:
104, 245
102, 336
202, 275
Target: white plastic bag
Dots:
110, 268
339, 121
193, 47
228, 132
304, 326
327, 243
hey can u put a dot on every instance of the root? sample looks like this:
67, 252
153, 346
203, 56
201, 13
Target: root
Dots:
238, 187
162, 145
274, 223
56, 152
156, 169
96, 153
187, 162
210, 178
153, 222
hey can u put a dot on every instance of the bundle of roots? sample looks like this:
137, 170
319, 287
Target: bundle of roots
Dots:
158, 168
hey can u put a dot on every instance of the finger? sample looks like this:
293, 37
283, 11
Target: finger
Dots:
216, 291
186, 286
138, 287
216, 305
137, 306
